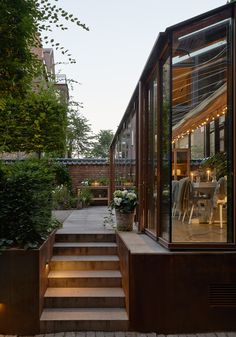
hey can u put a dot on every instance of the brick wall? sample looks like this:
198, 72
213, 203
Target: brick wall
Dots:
79, 172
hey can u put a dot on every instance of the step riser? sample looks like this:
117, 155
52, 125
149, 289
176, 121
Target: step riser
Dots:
94, 282
96, 325
84, 265
85, 251
84, 302
85, 237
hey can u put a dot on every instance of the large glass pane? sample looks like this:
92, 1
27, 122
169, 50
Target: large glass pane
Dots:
165, 152
200, 113
152, 156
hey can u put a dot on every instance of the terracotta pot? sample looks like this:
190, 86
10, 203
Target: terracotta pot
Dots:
124, 221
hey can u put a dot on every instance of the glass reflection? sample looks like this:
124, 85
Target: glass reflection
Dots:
200, 158
151, 98
125, 155
165, 152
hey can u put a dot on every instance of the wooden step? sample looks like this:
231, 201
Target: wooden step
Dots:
85, 248
79, 319
63, 236
84, 298
84, 262
84, 278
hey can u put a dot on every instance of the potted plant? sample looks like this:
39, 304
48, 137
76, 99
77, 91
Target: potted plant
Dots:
124, 202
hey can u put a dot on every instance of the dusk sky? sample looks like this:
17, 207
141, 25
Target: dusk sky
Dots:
111, 56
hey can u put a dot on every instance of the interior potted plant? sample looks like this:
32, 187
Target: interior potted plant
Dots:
124, 203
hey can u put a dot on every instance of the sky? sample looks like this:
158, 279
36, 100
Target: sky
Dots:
111, 56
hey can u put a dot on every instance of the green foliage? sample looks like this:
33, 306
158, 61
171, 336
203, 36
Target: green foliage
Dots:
18, 30
101, 146
62, 176
63, 194
79, 137
22, 24
103, 181
51, 16
85, 195
217, 162
35, 124
25, 203
63, 198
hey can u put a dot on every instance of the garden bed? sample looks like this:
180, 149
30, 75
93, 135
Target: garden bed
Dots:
23, 283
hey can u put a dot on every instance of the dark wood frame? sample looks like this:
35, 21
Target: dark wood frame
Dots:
159, 51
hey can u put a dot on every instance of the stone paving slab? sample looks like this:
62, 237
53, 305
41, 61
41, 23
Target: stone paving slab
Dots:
126, 334
87, 220
61, 215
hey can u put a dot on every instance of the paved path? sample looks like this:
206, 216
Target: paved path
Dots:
127, 334
86, 220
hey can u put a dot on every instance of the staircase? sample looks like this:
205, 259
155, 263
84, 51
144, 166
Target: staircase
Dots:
84, 285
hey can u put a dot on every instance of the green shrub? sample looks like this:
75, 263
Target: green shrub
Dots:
62, 176
63, 198
85, 195
26, 202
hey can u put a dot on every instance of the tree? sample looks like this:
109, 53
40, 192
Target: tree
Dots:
22, 24
18, 30
35, 124
101, 146
29, 120
79, 134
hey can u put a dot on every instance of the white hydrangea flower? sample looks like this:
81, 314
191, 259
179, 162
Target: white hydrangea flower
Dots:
131, 196
118, 194
124, 193
117, 201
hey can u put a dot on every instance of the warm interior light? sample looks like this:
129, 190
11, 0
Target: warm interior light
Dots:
208, 174
2, 307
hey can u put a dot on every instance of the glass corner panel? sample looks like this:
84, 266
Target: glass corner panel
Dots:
165, 216
202, 134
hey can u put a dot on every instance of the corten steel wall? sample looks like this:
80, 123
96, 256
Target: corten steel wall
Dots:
80, 172
182, 292
23, 282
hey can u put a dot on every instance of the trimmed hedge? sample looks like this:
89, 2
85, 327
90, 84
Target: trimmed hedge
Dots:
25, 202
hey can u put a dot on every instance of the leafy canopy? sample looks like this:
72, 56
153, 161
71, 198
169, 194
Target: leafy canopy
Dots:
23, 23
35, 124
79, 134
101, 146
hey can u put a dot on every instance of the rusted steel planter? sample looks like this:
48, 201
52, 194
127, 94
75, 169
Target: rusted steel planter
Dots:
23, 282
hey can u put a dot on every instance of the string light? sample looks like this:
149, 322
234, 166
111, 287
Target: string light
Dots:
223, 112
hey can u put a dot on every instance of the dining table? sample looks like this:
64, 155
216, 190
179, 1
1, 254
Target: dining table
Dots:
204, 191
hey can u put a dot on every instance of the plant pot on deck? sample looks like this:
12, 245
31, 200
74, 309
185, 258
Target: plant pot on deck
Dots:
124, 221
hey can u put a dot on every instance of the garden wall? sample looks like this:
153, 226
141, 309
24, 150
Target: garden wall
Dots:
82, 169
